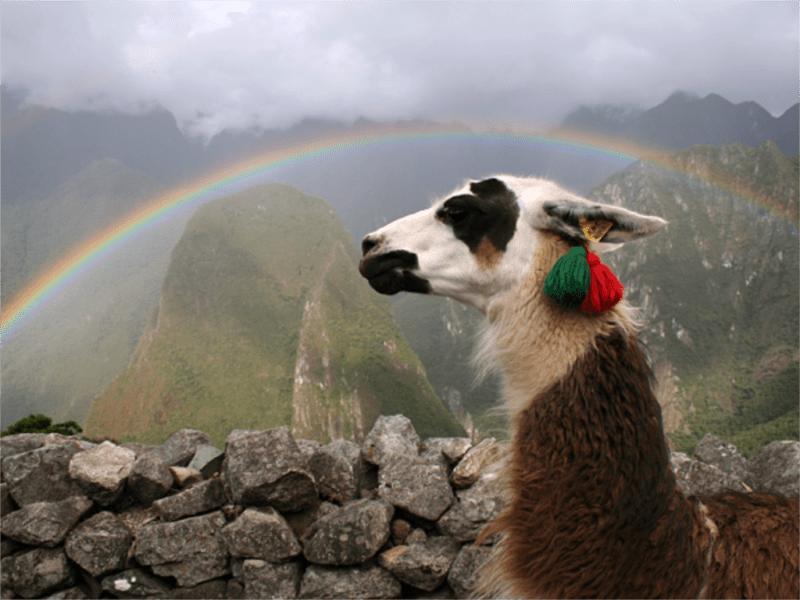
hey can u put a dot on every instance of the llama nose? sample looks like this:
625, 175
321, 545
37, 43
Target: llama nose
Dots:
369, 243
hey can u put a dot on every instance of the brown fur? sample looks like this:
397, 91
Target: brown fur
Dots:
487, 254
594, 510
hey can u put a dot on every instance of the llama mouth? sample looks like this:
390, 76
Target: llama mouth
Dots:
391, 272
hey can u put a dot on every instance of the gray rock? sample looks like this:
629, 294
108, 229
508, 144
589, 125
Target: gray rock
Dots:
41, 571
726, 457
364, 581
261, 533
6, 502
266, 468
235, 590
217, 589
200, 498
308, 447
474, 507
181, 446
192, 550
45, 523
207, 459
425, 566
136, 583
42, 475
7, 575
266, 580
418, 536
100, 544
467, 568
452, 449
390, 436
338, 470
73, 593
20, 442
185, 477
776, 468
416, 485
102, 471
349, 535
150, 478
696, 477
475, 462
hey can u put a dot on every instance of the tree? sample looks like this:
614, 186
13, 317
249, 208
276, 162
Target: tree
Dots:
42, 424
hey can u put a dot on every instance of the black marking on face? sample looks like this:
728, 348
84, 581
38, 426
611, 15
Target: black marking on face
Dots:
490, 213
390, 273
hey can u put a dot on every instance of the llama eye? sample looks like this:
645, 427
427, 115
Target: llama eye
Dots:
453, 216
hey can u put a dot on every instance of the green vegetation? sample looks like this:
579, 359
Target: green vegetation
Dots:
42, 424
741, 406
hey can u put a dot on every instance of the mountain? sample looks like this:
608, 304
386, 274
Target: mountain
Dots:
79, 340
42, 147
264, 321
685, 120
719, 287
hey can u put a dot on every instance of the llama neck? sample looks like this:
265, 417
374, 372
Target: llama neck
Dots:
593, 499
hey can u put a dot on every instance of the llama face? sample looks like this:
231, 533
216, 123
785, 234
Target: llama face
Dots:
482, 239
461, 247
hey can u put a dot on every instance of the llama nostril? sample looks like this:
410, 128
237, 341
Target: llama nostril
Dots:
367, 244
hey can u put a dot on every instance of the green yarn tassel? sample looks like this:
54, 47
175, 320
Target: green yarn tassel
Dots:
568, 281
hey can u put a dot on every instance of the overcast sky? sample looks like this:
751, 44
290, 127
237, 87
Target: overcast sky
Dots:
268, 64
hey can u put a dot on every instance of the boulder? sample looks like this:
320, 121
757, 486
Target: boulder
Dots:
207, 460
696, 477
467, 568
192, 550
726, 457
203, 497
475, 462
135, 583
350, 534
474, 507
390, 436
42, 475
181, 447
425, 566
451, 449
101, 472
338, 470
363, 581
150, 478
261, 533
266, 468
45, 523
416, 485
776, 468
263, 579
41, 571
100, 544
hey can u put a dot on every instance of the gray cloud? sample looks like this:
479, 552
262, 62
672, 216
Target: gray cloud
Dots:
266, 64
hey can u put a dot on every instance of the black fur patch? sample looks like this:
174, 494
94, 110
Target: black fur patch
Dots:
390, 273
490, 212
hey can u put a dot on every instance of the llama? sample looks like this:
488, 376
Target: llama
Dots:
593, 509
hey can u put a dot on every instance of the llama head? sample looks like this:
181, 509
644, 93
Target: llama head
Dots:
482, 239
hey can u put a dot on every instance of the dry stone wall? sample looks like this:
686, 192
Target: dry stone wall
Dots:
274, 517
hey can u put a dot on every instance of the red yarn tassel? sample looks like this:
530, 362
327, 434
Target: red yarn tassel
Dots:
605, 289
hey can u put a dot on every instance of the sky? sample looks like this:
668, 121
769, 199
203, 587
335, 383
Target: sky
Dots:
218, 65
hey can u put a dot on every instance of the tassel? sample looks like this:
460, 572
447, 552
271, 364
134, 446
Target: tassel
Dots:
605, 289
568, 282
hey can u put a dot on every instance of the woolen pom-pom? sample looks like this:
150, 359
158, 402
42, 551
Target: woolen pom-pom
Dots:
605, 289
568, 282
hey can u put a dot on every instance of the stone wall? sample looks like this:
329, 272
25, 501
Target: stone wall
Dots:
277, 517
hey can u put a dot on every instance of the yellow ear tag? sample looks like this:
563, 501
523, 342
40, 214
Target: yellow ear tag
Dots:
594, 230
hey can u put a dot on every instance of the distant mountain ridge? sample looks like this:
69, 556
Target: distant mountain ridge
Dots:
264, 321
685, 120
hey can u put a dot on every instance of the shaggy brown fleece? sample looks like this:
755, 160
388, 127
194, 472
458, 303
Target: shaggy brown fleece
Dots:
594, 511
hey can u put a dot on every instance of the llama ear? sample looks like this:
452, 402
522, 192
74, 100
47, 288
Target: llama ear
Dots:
583, 222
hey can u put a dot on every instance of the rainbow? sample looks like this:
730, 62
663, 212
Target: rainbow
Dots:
64, 272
